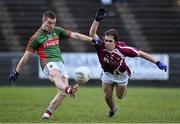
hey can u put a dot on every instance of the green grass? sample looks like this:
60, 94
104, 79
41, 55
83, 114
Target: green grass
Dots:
141, 105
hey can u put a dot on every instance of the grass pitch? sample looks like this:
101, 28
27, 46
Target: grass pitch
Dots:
141, 105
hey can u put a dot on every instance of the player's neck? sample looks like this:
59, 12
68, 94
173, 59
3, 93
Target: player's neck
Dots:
111, 50
45, 31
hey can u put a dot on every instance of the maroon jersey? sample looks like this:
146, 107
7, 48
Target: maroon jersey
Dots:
114, 61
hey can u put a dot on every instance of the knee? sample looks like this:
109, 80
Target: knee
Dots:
120, 96
55, 75
63, 94
107, 97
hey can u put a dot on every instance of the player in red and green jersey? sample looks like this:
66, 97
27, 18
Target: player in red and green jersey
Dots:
45, 42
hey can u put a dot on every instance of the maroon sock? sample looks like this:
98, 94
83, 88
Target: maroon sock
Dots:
68, 90
48, 112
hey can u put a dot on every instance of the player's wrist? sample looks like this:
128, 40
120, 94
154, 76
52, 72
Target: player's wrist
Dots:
97, 19
93, 40
157, 63
17, 73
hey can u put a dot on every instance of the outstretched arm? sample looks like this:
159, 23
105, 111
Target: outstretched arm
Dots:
147, 57
79, 36
152, 59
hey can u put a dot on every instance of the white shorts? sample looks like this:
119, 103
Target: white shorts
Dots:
56, 65
120, 79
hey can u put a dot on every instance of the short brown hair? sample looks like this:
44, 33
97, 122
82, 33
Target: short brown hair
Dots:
112, 32
49, 14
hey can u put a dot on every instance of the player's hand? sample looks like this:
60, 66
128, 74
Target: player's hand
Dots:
100, 14
161, 66
13, 76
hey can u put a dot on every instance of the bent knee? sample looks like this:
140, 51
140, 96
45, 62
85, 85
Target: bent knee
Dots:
63, 94
120, 96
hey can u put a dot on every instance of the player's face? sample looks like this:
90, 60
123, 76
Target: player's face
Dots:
109, 42
48, 24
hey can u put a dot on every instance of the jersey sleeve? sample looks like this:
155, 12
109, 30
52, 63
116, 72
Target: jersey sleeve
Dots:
32, 45
129, 51
97, 41
63, 33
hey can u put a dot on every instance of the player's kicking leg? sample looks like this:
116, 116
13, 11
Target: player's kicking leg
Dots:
61, 83
57, 100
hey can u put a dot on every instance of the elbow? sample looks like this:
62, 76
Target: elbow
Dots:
91, 35
141, 54
74, 35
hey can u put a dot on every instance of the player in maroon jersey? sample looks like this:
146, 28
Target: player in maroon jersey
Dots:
45, 42
111, 54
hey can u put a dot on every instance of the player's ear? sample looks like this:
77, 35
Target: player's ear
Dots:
43, 19
103, 37
115, 40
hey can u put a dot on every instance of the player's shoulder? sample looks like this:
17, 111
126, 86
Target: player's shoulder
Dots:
121, 44
58, 28
35, 35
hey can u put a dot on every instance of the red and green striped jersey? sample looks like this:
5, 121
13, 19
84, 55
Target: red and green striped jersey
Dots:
47, 44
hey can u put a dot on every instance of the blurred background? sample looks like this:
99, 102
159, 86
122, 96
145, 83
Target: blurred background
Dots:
152, 26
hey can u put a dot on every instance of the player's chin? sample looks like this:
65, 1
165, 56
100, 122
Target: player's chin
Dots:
108, 47
49, 29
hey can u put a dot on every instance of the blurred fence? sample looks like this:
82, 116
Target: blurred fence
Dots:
29, 75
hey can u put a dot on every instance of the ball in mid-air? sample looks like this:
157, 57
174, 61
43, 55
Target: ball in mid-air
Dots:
82, 74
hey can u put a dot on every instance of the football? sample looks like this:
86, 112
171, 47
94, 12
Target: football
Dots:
82, 74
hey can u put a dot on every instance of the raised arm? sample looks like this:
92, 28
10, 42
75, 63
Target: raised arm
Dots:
93, 29
100, 14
